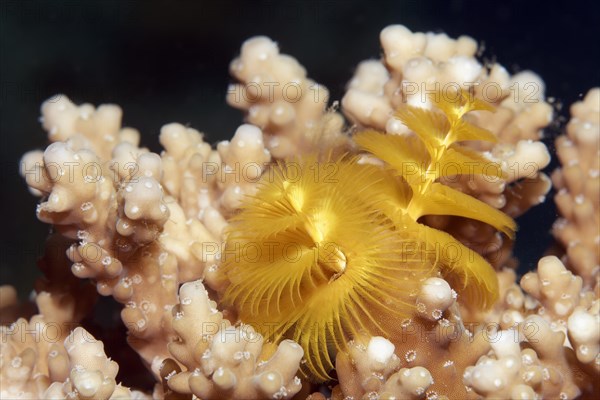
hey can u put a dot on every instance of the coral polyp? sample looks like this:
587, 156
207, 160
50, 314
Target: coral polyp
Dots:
328, 250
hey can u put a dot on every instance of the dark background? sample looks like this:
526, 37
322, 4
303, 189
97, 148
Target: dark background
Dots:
168, 61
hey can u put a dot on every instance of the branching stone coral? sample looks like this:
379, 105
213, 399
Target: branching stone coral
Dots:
77, 369
244, 159
279, 98
117, 211
372, 369
564, 304
49, 356
549, 364
546, 369
223, 361
431, 352
91, 374
298, 253
578, 184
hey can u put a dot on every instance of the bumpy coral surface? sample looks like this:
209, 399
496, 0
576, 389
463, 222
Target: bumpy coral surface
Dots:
403, 288
578, 183
227, 361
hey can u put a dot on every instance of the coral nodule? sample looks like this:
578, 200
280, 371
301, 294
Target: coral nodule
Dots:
328, 249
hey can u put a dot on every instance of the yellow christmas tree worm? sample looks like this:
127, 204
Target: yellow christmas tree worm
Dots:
326, 250
419, 160
309, 260
435, 152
